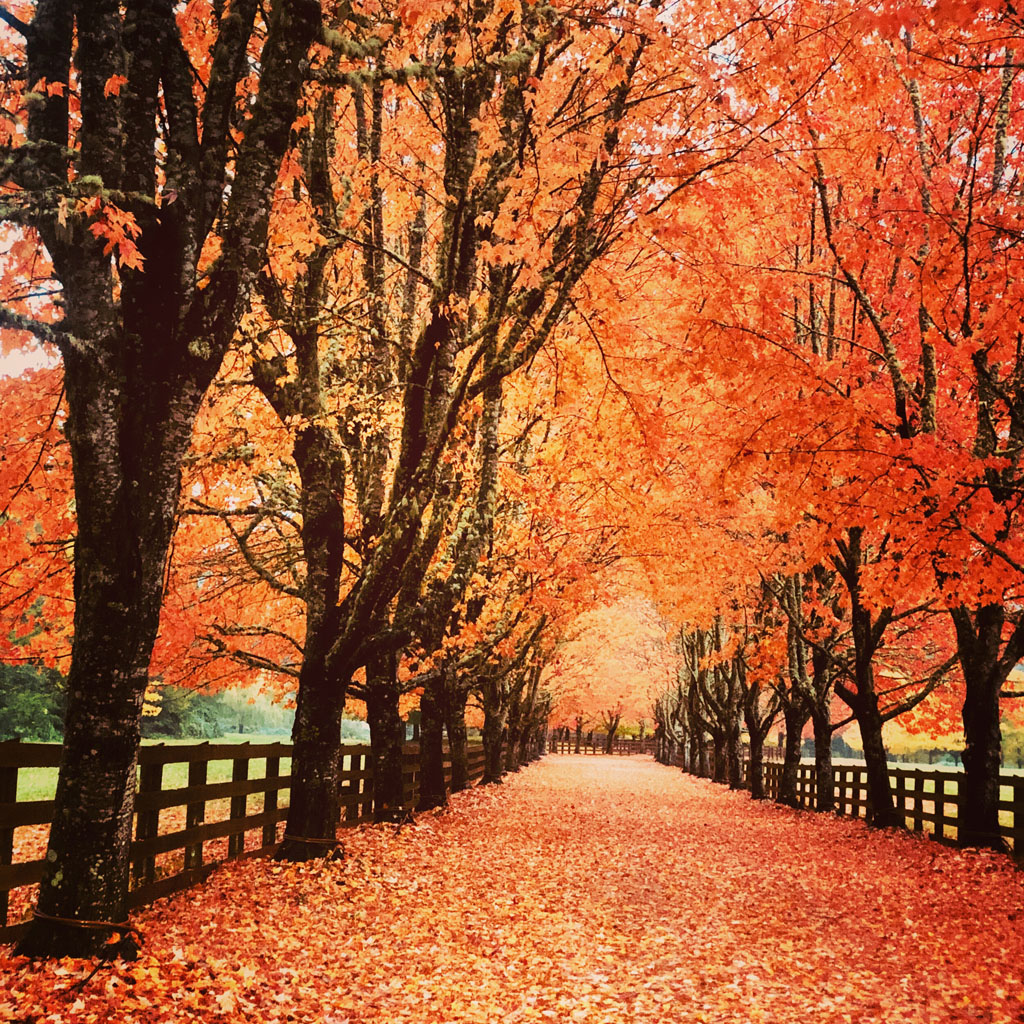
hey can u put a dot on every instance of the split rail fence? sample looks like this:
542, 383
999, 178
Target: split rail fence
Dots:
596, 743
204, 823
928, 797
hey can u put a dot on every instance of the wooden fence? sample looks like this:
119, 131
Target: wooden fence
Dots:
928, 797
182, 831
593, 743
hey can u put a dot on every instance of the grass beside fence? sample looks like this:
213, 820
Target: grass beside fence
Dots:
41, 783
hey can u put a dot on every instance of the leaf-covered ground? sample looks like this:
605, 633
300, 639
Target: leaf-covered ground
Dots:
586, 889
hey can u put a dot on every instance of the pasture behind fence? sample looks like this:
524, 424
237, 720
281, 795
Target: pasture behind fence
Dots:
182, 832
929, 798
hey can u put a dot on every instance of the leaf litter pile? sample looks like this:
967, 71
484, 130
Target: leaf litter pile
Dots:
591, 890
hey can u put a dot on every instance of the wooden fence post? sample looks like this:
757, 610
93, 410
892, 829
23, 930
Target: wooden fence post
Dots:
195, 811
940, 807
8, 795
147, 822
918, 800
1017, 834
239, 773
270, 800
901, 796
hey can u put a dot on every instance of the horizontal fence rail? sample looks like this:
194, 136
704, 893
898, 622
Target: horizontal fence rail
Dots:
196, 805
597, 743
928, 798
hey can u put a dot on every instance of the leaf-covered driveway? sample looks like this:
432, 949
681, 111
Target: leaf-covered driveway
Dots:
589, 889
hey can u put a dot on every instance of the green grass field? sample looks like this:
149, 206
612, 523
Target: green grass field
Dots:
40, 783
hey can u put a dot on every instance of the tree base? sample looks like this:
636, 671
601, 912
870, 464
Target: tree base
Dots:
429, 802
54, 939
393, 816
294, 850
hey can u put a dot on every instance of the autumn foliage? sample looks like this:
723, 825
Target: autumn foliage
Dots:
543, 364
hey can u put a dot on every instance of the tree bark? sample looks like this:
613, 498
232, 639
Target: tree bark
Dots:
703, 768
796, 717
494, 726
979, 634
882, 808
314, 810
455, 726
734, 764
387, 738
721, 771
756, 766
433, 791
824, 781
613, 728
146, 348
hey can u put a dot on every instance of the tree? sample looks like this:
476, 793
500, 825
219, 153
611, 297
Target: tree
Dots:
121, 164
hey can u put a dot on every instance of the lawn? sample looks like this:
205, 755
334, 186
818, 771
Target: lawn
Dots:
40, 783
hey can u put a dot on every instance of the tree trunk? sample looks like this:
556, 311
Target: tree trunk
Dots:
134, 380
979, 634
882, 809
720, 768
824, 782
512, 763
494, 726
795, 718
756, 766
126, 485
703, 768
979, 802
734, 760
387, 738
609, 743
579, 734
313, 812
455, 726
526, 745
433, 791
513, 725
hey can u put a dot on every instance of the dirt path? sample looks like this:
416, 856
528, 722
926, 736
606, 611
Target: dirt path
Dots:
586, 889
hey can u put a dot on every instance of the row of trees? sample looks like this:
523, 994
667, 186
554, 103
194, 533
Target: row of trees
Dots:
862, 416
394, 340
310, 271
792, 664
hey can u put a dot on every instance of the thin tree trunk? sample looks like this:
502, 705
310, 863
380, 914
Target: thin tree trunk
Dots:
720, 768
433, 791
824, 782
979, 635
512, 763
733, 756
494, 726
387, 739
609, 743
756, 766
882, 808
455, 726
513, 725
314, 811
703, 768
795, 718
